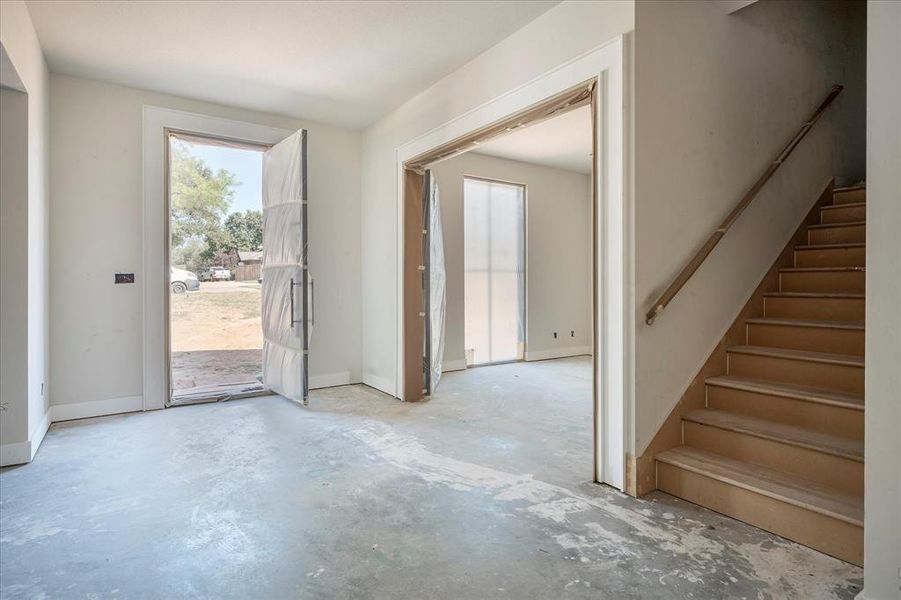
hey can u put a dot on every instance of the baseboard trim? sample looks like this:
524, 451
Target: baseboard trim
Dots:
449, 366
37, 436
557, 353
330, 380
15, 453
20, 453
380, 383
97, 408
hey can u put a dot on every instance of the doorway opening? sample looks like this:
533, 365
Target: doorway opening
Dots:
494, 271
215, 253
512, 262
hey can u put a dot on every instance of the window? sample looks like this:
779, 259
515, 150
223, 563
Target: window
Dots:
494, 266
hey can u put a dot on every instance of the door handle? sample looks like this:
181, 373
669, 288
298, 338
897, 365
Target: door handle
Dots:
291, 287
312, 300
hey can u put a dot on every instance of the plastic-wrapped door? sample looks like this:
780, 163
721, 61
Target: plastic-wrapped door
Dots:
435, 285
286, 284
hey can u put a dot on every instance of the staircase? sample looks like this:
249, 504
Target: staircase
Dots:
779, 443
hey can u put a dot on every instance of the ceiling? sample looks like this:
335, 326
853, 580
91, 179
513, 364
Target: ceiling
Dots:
341, 62
563, 142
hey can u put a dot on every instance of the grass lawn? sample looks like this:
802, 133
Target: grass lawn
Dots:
217, 317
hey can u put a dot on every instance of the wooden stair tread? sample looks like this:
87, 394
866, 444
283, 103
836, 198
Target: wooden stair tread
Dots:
820, 269
849, 188
808, 355
789, 322
848, 205
788, 390
849, 295
767, 482
778, 432
830, 246
834, 225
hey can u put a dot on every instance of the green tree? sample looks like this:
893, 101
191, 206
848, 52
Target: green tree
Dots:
242, 231
200, 197
245, 230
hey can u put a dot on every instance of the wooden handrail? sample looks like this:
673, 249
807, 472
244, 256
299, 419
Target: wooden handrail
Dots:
689, 269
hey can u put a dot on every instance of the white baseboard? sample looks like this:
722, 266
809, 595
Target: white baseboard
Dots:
15, 453
330, 380
97, 408
380, 383
449, 366
557, 353
19, 453
37, 436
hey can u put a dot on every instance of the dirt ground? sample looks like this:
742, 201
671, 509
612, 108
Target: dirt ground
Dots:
216, 334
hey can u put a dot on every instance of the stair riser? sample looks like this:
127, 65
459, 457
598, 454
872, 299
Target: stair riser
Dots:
827, 309
832, 257
843, 214
828, 376
834, 471
853, 282
817, 339
847, 234
824, 418
851, 196
821, 532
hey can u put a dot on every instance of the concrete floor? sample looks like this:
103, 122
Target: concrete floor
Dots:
484, 492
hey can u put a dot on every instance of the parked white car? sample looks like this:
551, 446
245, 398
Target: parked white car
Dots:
180, 281
220, 274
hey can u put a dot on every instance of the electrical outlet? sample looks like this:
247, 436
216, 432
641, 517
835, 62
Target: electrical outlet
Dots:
555, 335
572, 333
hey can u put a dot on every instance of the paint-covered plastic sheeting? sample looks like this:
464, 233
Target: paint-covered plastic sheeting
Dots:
284, 187
437, 283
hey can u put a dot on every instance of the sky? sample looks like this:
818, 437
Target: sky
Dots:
247, 166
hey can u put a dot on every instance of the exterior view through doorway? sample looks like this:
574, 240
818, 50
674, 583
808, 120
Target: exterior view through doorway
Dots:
215, 256
240, 293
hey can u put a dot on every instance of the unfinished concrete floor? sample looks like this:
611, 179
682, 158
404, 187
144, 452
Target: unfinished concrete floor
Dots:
484, 492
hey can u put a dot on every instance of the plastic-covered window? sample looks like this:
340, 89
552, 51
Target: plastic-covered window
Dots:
494, 265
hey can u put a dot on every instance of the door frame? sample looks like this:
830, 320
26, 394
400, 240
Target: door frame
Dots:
157, 124
607, 67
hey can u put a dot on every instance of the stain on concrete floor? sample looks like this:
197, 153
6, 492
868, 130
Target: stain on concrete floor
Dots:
483, 492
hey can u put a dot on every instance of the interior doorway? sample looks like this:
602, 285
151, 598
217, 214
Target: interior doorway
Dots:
494, 265
598, 79
215, 253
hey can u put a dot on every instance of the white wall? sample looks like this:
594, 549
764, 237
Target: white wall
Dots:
96, 228
21, 45
716, 98
13, 266
882, 525
558, 238
559, 35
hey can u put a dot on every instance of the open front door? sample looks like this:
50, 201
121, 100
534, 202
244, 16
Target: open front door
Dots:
286, 283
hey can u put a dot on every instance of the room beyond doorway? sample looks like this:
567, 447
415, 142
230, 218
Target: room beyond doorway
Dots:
216, 238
